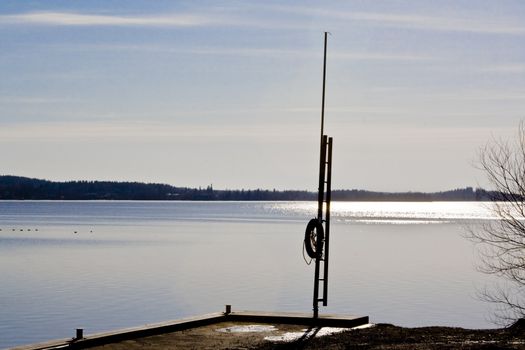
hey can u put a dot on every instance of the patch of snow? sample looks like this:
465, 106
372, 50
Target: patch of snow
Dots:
308, 333
286, 337
247, 329
368, 325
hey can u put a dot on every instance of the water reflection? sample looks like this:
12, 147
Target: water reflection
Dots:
390, 212
132, 263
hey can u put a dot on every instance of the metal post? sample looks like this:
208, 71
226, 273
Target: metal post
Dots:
327, 221
320, 203
324, 84
321, 199
322, 155
322, 175
79, 333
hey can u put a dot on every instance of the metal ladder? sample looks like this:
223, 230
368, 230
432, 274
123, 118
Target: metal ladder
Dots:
323, 215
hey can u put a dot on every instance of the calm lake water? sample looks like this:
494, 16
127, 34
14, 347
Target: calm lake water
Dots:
107, 265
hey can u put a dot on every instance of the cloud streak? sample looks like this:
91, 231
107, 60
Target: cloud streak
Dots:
297, 53
511, 68
32, 100
410, 21
78, 19
250, 52
406, 21
437, 23
118, 131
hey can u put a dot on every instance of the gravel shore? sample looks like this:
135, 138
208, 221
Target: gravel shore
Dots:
381, 336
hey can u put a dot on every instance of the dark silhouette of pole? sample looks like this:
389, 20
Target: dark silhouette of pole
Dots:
327, 219
321, 200
319, 242
324, 85
321, 164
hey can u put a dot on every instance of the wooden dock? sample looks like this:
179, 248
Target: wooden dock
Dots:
92, 340
341, 321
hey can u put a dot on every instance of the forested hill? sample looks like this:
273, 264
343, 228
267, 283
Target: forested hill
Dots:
16, 187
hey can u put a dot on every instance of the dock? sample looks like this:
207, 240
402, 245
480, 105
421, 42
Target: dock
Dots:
81, 341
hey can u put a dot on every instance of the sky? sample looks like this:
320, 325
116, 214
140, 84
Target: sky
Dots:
228, 93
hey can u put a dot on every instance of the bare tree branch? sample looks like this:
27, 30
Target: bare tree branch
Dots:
502, 243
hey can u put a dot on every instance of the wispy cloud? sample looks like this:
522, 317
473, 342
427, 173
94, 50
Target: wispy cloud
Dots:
413, 94
485, 96
382, 56
250, 52
198, 19
296, 53
251, 19
438, 22
512, 68
146, 130
32, 100
79, 19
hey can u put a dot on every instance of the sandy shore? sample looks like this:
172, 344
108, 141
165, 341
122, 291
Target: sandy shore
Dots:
229, 335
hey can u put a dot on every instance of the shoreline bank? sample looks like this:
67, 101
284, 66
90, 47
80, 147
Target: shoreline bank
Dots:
244, 330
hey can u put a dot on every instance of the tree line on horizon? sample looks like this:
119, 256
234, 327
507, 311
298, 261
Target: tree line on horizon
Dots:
23, 188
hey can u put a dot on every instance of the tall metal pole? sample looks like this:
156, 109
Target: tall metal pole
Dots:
321, 193
324, 84
321, 157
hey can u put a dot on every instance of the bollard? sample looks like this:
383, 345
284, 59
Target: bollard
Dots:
228, 309
80, 333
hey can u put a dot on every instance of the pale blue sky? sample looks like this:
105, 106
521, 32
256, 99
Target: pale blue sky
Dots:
229, 92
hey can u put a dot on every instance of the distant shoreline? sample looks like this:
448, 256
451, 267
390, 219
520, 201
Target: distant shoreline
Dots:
24, 188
